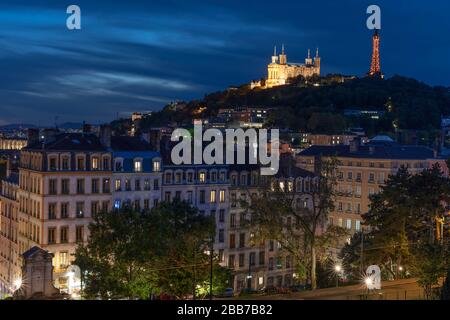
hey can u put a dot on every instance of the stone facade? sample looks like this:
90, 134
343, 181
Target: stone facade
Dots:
280, 71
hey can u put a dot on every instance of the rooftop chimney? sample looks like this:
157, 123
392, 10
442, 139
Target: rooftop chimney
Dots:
105, 135
155, 137
354, 145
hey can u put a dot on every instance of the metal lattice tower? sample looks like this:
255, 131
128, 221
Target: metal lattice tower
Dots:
375, 69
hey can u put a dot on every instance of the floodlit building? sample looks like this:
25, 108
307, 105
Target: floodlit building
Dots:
280, 71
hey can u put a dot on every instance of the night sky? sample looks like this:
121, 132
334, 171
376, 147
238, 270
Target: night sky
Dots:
139, 55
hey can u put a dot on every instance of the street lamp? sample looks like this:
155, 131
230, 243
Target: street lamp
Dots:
338, 271
17, 284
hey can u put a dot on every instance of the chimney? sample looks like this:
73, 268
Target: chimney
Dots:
33, 136
354, 145
155, 137
105, 135
8, 167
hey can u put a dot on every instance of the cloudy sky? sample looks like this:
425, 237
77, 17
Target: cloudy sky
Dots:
138, 55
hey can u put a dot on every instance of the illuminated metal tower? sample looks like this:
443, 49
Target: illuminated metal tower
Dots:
375, 69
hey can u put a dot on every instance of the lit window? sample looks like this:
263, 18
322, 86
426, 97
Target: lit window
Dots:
290, 186
156, 166
137, 166
349, 224
118, 184
222, 196
63, 260
212, 197
94, 163
202, 177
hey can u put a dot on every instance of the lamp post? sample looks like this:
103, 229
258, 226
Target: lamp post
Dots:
338, 270
211, 269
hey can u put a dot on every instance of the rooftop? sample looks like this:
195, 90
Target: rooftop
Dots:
372, 151
69, 142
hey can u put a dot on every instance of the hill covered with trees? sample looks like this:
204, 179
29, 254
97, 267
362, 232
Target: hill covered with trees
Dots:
318, 105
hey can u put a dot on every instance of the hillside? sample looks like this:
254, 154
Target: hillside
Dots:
407, 103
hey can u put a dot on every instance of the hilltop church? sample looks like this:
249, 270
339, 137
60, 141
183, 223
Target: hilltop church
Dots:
279, 71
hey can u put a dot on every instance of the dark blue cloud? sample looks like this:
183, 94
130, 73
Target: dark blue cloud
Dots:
138, 55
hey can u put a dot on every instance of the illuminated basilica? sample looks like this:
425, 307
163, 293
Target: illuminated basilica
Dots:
279, 71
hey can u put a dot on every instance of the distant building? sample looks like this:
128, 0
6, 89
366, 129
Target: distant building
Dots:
363, 169
373, 114
10, 143
329, 139
280, 71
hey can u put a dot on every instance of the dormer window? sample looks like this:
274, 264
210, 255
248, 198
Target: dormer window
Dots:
105, 163
156, 166
52, 164
94, 163
118, 166
190, 177
213, 176
80, 163
168, 178
178, 177
65, 163
138, 165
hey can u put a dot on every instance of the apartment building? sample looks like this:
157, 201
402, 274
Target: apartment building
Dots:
362, 170
10, 264
258, 264
64, 180
137, 173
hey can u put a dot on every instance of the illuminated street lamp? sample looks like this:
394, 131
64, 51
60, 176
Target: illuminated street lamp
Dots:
338, 271
17, 284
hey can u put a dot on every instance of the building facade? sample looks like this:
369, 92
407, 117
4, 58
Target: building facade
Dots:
64, 181
10, 260
362, 171
280, 71
136, 173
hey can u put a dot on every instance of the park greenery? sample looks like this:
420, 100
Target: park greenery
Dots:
133, 254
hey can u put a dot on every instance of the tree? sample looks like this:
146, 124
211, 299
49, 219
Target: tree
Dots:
429, 265
404, 226
445, 293
132, 254
277, 213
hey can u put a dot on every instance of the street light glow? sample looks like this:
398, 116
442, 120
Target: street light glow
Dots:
368, 281
17, 283
337, 268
